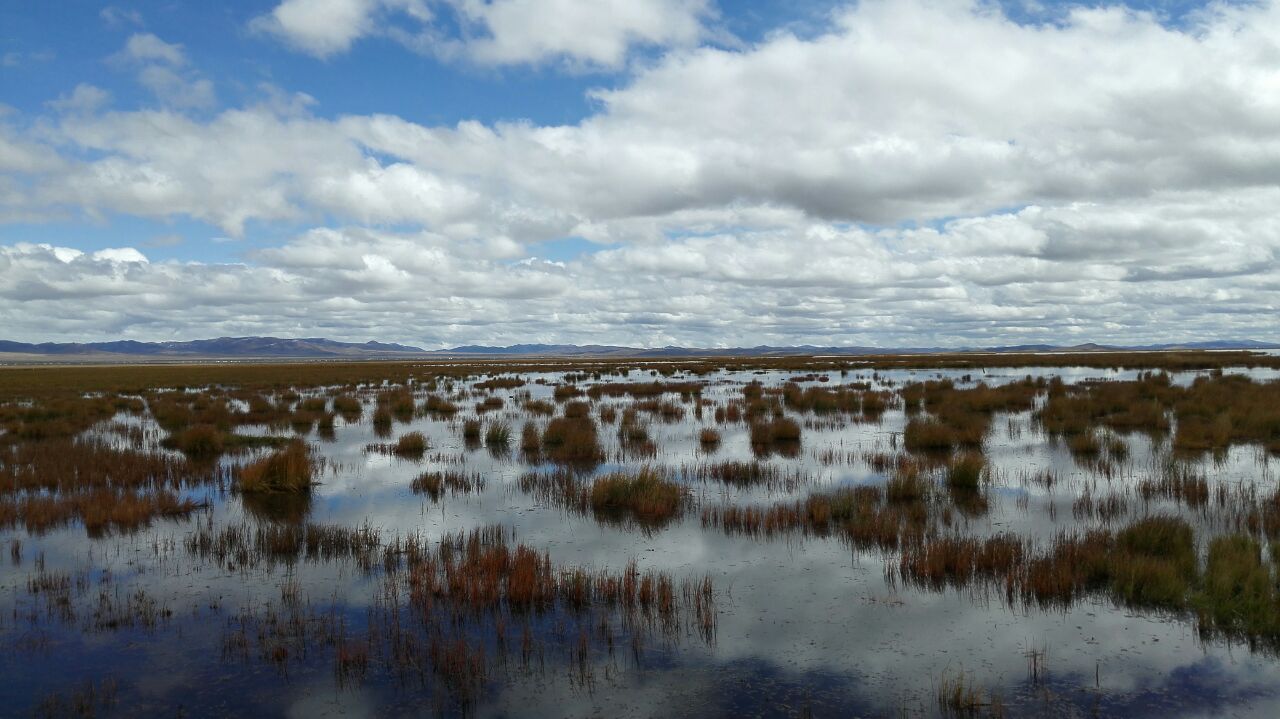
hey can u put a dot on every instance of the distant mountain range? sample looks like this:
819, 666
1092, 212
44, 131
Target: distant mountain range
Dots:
319, 348
221, 347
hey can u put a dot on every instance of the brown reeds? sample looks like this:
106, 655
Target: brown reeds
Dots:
570, 440
286, 470
436, 484
411, 445
646, 496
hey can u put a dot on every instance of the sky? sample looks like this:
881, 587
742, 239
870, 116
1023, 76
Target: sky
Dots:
713, 173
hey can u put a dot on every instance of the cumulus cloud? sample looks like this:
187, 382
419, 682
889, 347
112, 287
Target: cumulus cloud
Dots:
903, 112
596, 33
144, 47
84, 98
162, 69
921, 173
320, 27
963, 282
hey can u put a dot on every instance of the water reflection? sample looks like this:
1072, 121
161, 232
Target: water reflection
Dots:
291, 508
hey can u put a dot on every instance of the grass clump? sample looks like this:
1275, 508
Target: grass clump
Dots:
1084, 445
530, 439
411, 445
647, 495
1238, 596
929, 435
489, 404
399, 402
201, 440
907, 486
780, 434
577, 409
348, 406
288, 469
382, 422
964, 472
565, 391
437, 405
435, 484
471, 431
497, 435
540, 407
572, 440
1155, 562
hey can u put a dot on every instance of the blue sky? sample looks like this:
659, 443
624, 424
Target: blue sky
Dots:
646, 172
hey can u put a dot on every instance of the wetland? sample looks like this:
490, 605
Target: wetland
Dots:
962, 535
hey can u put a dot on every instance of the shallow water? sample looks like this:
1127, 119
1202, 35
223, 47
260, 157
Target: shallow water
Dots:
804, 624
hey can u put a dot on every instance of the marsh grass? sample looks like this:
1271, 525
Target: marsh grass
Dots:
739, 473
497, 436
778, 434
1177, 482
708, 438
908, 485
530, 440
100, 511
965, 472
471, 431
53, 482
648, 496
570, 440
411, 445
348, 406
500, 383
201, 441
489, 404
633, 435
241, 545
436, 405
286, 470
958, 696
565, 392
382, 421
577, 409
857, 514
933, 435
436, 484
539, 407
1239, 591
398, 401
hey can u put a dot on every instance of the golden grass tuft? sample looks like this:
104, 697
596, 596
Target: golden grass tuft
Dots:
286, 470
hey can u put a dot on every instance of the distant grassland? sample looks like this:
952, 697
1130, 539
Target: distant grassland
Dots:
22, 381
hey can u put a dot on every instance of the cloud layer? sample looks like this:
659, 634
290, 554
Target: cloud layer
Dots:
922, 173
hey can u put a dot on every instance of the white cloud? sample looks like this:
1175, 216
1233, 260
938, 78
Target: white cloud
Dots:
162, 69
585, 33
118, 17
84, 98
175, 90
593, 33
923, 173
144, 47
120, 254
327, 27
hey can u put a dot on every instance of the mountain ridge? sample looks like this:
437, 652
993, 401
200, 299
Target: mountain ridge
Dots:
320, 348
